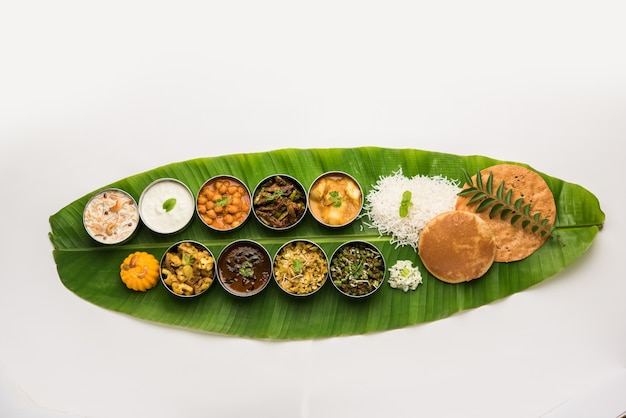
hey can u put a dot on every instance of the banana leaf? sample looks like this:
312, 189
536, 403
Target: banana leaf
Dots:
91, 270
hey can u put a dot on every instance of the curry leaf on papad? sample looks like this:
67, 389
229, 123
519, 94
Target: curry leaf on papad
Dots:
92, 270
520, 230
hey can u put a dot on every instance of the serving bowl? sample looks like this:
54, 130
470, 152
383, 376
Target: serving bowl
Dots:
279, 202
166, 206
223, 203
187, 269
335, 199
111, 216
357, 268
244, 268
300, 267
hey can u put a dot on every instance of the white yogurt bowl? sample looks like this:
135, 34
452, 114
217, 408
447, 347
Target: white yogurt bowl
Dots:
166, 206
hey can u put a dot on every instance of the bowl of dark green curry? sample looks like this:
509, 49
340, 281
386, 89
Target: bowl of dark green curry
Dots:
357, 269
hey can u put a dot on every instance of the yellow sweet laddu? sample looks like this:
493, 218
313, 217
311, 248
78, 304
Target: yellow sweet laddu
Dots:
140, 271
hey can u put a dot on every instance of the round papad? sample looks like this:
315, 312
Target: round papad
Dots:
512, 241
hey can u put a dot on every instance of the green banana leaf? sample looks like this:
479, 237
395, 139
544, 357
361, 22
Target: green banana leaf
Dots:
91, 270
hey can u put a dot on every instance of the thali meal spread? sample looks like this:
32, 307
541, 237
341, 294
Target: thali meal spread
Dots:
501, 214
400, 216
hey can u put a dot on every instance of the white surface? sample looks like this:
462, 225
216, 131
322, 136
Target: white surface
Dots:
94, 92
604, 398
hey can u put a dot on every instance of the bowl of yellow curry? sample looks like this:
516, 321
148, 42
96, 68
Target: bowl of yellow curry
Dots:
335, 199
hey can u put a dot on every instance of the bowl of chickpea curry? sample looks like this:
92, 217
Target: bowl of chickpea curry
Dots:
223, 203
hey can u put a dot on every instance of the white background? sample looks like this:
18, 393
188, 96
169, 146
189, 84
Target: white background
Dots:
92, 92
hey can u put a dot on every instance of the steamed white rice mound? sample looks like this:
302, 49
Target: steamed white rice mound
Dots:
430, 196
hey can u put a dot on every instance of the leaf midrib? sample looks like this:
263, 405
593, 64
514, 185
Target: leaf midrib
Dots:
319, 239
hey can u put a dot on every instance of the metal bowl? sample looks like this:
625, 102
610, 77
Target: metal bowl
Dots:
279, 202
187, 269
300, 267
223, 203
244, 268
166, 206
335, 199
357, 269
111, 216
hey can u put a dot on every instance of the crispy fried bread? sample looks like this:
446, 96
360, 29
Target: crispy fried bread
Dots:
457, 246
512, 241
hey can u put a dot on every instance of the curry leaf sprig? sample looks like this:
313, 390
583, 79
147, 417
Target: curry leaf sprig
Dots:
501, 204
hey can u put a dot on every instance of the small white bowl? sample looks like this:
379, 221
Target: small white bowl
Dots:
166, 206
